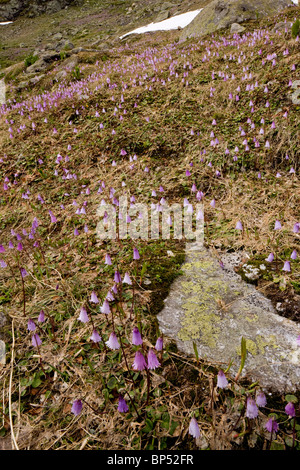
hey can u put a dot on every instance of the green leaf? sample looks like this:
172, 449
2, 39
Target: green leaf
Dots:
243, 353
148, 426
174, 425
277, 446
243, 357
90, 364
196, 351
289, 441
112, 383
36, 382
229, 366
106, 394
144, 267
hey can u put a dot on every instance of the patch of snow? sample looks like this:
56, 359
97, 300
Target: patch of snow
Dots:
5, 22
295, 1
171, 23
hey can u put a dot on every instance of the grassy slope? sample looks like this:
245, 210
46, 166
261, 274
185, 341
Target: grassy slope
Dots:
67, 268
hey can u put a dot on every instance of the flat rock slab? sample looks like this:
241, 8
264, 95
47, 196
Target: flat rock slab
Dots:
213, 307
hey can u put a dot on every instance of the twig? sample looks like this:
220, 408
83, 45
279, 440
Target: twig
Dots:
10, 386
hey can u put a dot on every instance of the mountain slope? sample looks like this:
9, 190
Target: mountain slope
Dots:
156, 121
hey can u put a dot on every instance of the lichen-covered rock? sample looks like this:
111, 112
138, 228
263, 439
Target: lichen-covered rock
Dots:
222, 13
283, 26
43, 62
213, 307
295, 96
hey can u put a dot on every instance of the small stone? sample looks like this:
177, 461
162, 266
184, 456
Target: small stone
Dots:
57, 37
2, 352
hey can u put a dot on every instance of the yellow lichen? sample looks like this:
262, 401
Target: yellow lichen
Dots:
258, 345
254, 318
199, 323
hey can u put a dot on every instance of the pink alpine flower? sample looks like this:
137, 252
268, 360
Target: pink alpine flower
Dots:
76, 407
113, 342
136, 337
194, 428
251, 409
139, 361
222, 382
122, 406
153, 362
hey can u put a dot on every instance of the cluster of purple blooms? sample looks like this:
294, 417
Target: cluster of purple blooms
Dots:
140, 363
251, 412
48, 101
294, 255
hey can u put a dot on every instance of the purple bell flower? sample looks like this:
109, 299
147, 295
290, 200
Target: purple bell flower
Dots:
117, 277
76, 407
31, 325
277, 225
127, 279
41, 316
122, 406
113, 342
139, 361
270, 258
286, 266
105, 308
222, 382
251, 409
95, 337
36, 340
294, 254
52, 217
261, 399
194, 428
83, 316
136, 254
272, 425
24, 273
153, 362
94, 298
107, 259
136, 337
290, 410
159, 344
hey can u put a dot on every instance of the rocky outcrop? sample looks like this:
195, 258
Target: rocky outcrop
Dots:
11, 9
222, 13
237, 28
295, 96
